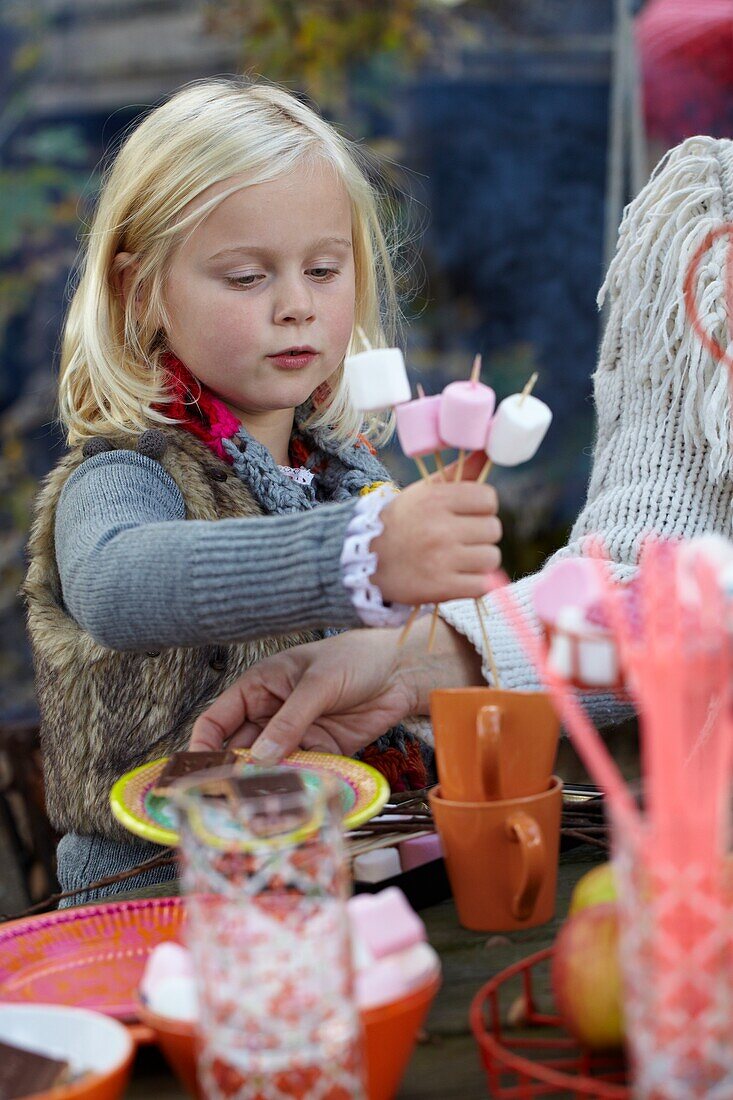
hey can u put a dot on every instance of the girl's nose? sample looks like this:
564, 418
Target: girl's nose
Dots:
294, 304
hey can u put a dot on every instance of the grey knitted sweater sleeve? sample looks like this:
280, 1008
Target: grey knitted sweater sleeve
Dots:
136, 574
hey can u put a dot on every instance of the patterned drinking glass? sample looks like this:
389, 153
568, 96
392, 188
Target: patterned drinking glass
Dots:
677, 967
266, 884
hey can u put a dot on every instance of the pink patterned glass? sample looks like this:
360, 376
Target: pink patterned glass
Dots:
266, 883
675, 938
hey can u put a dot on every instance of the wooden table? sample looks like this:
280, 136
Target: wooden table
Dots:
446, 1064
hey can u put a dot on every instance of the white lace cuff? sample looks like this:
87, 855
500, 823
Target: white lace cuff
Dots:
358, 562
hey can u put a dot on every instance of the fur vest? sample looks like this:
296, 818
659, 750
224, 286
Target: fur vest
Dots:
104, 712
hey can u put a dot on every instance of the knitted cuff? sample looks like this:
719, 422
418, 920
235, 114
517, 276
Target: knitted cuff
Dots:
358, 562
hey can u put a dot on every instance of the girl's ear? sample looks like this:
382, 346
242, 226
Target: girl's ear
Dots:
124, 269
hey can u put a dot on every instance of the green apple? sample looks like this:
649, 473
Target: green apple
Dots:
594, 888
586, 977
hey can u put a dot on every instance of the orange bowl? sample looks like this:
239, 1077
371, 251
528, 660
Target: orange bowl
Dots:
390, 1034
96, 1045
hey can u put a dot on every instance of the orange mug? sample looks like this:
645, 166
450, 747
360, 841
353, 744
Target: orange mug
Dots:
502, 857
493, 744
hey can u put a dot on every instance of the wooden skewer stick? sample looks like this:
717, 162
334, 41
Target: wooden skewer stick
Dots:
487, 644
475, 372
486, 471
420, 463
479, 607
408, 625
531, 383
425, 474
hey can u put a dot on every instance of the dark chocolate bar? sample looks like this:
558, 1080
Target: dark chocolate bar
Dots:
24, 1073
256, 784
183, 764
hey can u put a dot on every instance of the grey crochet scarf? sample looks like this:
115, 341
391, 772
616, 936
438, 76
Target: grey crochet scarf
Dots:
341, 470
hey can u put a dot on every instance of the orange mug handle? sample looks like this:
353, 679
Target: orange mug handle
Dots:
525, 831
488, 743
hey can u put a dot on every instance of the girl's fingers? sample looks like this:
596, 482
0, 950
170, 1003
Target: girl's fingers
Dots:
476, 560
469, 499
479, 532
472, 467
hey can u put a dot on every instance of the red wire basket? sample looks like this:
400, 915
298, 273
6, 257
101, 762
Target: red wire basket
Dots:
547, 1061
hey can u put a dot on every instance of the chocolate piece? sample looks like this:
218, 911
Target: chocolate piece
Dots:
24, 1073
183, 764
256, 784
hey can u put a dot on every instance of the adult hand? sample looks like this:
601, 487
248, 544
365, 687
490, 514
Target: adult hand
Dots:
337, 695
439, 539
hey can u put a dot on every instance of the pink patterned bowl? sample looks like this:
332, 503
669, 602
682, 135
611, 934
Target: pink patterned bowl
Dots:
390, 1034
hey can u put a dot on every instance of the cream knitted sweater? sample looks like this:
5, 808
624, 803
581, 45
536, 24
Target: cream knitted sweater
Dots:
662, 457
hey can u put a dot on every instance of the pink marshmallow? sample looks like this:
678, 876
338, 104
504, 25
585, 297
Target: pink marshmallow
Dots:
466, 410
573, 582
419, 850
417, 426
387, 980
381, 983
385, 921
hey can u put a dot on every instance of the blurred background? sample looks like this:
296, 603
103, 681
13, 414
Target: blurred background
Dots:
513, 132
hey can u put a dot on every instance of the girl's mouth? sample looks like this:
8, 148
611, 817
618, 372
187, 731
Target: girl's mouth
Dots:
293, 358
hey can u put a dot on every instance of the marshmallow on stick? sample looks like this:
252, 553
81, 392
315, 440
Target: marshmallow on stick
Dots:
417, 428
377, 377
466, 409
419, 435
518, 428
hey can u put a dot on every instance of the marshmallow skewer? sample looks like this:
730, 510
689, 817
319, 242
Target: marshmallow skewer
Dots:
517, 430
518, 441
466, 410
465, 421
418, 432
376, 377
523, 395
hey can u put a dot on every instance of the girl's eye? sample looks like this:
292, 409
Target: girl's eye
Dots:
243, 280
323, 274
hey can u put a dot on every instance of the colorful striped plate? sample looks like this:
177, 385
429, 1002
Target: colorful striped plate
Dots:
91, 957
152, 817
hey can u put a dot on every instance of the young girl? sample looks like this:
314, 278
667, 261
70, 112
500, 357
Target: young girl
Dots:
216, 503
662, 463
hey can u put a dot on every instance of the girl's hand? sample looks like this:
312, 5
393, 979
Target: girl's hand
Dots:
439, 539
337, 695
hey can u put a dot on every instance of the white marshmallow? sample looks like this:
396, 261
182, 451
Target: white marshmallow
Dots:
376, 866
518, 428
583, 651
597, 662
175, 998
560, 655
377, 379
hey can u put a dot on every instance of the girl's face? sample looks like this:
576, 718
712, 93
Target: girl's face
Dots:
269, 270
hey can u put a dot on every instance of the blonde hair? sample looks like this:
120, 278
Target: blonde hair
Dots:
111, 375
